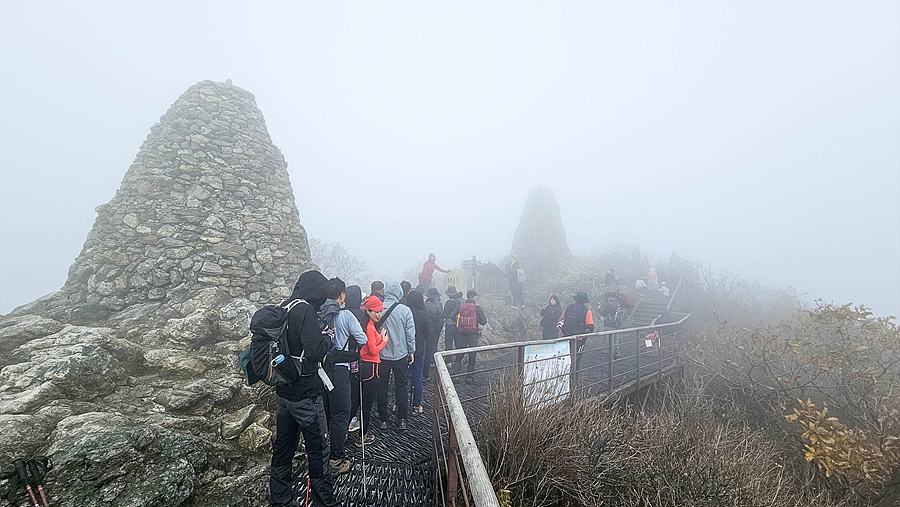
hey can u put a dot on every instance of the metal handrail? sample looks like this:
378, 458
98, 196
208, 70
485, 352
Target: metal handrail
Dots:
463, 454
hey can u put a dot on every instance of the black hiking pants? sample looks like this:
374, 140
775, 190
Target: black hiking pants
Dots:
464, 341
400, 369
339, 403
306, 416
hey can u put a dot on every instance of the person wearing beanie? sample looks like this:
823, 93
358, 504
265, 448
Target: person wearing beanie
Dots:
450, 308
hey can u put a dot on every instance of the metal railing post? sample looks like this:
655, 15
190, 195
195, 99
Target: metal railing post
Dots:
452, 475
659, 354
610, 365
637, 343
520, 359
573, 370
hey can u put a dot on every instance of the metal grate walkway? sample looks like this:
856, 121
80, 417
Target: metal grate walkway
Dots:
398, 467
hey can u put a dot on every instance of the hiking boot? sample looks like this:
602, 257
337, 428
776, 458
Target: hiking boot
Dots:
339, 466
402, 424
367, 439
394, 408
383, 425
470, 381
354, 425
418, 410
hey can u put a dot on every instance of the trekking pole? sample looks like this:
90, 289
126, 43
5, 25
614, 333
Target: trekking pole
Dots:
23, 476
362, 433
37, 469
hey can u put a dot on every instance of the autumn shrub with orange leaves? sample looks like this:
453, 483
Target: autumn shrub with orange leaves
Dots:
840, 358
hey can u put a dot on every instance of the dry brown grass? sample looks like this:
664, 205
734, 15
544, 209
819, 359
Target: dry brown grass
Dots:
686, 449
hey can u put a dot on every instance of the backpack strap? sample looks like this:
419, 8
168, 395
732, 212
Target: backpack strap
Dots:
380, 323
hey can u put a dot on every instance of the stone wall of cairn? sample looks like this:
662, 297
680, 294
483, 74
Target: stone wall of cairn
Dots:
206, 203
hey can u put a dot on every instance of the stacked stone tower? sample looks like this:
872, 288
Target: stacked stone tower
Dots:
540, 240
206, 203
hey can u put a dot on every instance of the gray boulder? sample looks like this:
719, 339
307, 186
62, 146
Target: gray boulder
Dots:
15, 331
235, 423
196, 397
104, 459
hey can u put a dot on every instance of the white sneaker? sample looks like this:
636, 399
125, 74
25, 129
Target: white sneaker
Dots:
354, 425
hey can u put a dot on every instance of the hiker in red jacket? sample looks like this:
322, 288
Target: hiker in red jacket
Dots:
426, 277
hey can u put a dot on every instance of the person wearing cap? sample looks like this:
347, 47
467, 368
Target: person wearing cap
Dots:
426, 277
577, 320
369, 362
663, 289
434, 312
468, 333
450, 307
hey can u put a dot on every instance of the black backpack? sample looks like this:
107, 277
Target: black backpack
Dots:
269, 357
574, 321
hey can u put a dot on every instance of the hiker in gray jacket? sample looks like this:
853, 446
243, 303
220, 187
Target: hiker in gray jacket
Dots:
397, 355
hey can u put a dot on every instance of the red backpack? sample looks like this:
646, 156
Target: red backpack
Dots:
467, 320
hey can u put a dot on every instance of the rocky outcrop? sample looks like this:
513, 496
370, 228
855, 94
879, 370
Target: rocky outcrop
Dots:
127, 376
540, 240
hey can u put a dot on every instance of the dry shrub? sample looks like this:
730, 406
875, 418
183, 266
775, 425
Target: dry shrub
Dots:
839, 357
685, 450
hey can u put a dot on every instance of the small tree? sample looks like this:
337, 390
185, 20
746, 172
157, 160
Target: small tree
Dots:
334, 259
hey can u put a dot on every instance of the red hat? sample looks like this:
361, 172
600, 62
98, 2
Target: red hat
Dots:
374, 304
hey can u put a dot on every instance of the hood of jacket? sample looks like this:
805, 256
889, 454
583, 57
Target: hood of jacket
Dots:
353, 298
313, 287
415, 301
329, 311
392, 293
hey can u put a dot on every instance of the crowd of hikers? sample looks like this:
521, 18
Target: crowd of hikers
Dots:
331, 354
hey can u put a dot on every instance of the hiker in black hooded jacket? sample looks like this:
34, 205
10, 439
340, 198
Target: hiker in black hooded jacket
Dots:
300, 404
550, 315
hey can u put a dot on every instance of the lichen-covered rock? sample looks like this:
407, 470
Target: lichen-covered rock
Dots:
17, 330
71, 363
22, 435
234, 320
103, 459
256, 439
236, 422
197, 397
192, 331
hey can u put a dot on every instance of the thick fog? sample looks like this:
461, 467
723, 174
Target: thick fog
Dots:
760, 137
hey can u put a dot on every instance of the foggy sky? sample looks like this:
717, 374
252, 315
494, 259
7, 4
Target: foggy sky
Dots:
761, 137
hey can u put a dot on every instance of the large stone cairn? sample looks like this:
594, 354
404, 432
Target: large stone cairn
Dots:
540, 240
206, 203
128, 377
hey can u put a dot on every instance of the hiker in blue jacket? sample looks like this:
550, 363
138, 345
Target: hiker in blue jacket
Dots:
344, 329
397, 356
